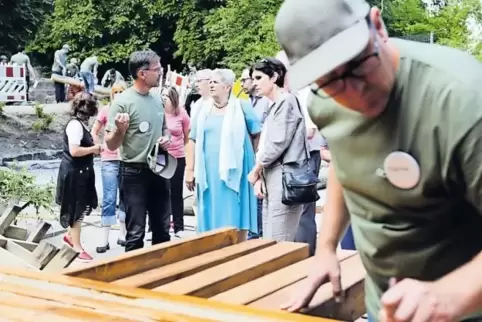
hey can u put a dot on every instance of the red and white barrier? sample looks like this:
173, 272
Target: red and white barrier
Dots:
12, 83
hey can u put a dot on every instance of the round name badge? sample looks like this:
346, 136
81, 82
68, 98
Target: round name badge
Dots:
143, 127
402, 170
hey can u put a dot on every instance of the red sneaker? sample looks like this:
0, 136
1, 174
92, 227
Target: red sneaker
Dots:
68, 241
84, 257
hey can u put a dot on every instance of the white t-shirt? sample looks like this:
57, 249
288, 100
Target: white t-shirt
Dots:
75, 132
304, 96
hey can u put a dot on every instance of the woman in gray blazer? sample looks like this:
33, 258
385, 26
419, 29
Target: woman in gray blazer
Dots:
283, 140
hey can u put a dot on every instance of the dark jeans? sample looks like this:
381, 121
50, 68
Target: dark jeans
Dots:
27, 87
307, 227
59, 90
252, 235
144, 193
348, 242
177, 198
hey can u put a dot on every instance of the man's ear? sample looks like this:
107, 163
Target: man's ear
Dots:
377, 21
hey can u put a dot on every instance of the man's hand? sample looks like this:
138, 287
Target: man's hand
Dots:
122, 122
189, 178
417, 301
327, 268
164, 142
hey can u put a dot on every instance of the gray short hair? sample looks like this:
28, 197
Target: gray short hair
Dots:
204, 73
228, 77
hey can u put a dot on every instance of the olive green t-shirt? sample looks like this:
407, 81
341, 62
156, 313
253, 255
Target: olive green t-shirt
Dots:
146, 125
435, 115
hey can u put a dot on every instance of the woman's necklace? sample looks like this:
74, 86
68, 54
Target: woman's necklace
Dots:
220, 107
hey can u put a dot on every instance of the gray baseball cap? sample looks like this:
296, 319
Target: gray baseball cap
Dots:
320, 35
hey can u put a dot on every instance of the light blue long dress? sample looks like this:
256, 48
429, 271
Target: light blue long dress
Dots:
219, 206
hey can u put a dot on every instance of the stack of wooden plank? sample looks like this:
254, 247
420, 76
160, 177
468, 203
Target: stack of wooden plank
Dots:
215, 266
19, 248
38, 296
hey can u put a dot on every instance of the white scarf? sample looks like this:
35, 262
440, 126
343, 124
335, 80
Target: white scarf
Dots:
231, 146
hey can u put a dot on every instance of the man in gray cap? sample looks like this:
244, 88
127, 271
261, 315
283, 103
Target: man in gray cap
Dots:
404, 125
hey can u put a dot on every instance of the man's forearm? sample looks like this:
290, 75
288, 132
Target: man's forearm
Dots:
335, 215
114, 139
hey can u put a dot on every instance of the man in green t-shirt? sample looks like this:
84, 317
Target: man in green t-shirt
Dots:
136, 123
404, 125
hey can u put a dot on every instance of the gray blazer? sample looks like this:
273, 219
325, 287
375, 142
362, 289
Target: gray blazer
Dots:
285, 139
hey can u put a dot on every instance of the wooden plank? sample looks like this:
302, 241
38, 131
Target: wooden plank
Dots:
323, 304
268, 284
166, 274
63, 259
223, 277
80, 306
21, 253
44, 253
141, 260
8, 259
38, 234
8, 217
173, 303
15, 232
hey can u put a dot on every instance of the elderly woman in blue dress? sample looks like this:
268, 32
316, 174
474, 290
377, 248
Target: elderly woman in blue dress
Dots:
223, 156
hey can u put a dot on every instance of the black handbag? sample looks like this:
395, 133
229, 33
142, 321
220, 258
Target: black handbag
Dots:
299, 180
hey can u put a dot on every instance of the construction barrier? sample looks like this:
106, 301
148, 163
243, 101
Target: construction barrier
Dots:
12, 83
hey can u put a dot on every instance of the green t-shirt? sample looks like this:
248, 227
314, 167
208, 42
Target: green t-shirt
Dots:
146, 125
435, 115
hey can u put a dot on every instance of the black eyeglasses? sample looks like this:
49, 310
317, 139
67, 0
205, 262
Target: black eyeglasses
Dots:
355, 69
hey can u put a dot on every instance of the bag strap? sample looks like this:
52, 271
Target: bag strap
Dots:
302, 119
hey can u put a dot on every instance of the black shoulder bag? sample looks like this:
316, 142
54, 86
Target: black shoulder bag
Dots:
299, 180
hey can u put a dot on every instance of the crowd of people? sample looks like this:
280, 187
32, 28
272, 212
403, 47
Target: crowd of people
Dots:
405, 151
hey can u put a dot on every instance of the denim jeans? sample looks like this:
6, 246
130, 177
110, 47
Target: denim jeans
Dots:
89, 81
110, 179
59, 90
307, 227
252, 235
144, 193
177, 198
348, 241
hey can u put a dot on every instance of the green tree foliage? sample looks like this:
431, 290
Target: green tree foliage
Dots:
19, 21
243, 31
110, 29
212, 33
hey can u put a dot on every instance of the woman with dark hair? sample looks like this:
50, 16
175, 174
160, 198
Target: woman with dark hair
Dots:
283, 140
178, 123
76, 193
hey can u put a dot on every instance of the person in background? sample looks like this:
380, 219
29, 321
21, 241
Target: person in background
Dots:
76, 192
260, 105
283, 140
59, 67
88, 71
136, 124
347, 242
21, 59
72, 68
307, 230
192, 94
3, 60
202, 86
111, 77
223, 156
110, 178
179, 124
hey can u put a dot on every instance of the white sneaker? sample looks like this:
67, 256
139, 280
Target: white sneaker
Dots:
182, 234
